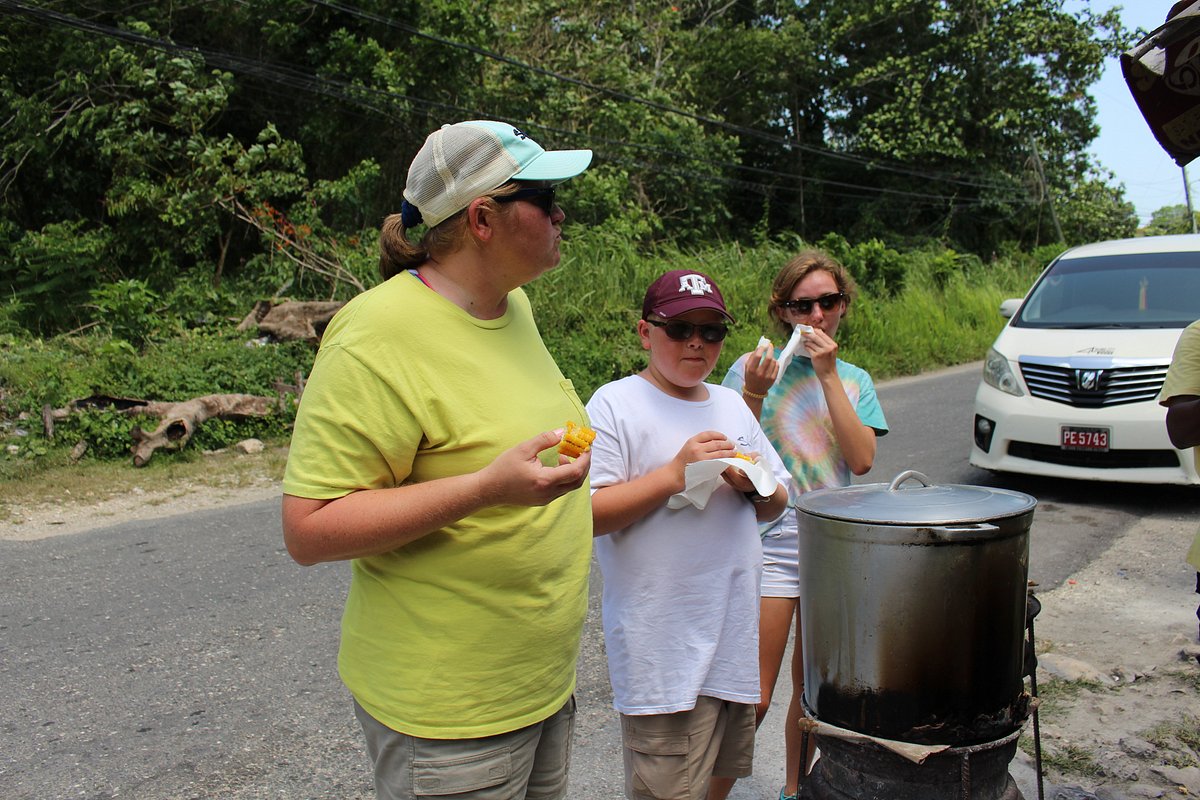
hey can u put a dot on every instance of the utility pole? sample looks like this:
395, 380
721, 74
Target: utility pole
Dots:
1037, 162
1187, 193
799, 160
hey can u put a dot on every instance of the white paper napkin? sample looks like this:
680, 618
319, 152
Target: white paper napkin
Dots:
701, 479
794, 347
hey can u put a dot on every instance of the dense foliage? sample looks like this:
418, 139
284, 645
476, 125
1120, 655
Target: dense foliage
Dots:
147, 143
165, 164
916, 310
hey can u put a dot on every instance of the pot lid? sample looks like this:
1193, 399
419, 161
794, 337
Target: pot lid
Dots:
911, 498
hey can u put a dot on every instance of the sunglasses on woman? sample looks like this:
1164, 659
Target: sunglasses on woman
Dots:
827, 302
681, 331
540, 196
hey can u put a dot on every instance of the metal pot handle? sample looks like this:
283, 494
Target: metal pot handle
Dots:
908, 473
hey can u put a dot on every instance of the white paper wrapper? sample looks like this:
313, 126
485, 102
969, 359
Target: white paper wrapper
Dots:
701, 479
794, 347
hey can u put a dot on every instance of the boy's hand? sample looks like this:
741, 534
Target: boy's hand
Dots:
701, 447
706, 445
737, 479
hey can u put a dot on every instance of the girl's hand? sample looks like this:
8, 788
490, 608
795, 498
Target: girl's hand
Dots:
822, 349
761, 370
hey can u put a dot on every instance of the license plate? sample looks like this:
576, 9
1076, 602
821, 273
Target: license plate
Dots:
1094, 439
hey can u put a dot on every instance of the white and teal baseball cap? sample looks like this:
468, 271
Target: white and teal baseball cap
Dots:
465, 160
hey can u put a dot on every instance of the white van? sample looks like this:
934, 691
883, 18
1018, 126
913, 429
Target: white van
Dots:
1070, 385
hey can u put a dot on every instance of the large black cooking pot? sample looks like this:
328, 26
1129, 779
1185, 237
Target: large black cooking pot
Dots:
912, 599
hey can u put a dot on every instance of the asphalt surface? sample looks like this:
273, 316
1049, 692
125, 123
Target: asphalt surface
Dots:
189, 657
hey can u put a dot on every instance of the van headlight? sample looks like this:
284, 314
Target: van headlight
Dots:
998, 374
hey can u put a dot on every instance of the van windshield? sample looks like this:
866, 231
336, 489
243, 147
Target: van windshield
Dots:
1145, 290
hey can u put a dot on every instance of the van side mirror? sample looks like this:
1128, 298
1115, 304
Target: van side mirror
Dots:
1009, 307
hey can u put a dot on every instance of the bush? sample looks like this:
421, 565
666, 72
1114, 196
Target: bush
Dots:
127, 310
36, 373
916, 310
50, 272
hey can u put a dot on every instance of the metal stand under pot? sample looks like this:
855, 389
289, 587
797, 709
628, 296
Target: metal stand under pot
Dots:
913, 608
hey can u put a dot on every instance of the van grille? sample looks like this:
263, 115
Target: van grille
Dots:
1094, 388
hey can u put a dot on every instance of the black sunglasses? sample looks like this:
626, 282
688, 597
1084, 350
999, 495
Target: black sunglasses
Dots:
681, 331
827, 302
540, 196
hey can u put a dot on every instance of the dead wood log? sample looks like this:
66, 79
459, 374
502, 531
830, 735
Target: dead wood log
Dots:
294, 319
124, 405
179, 420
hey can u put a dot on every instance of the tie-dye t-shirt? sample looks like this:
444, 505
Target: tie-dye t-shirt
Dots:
796, 419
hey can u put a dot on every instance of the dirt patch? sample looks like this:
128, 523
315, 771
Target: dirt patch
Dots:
1118, 674
41, 520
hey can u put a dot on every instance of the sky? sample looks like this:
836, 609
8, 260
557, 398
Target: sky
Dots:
1125, 145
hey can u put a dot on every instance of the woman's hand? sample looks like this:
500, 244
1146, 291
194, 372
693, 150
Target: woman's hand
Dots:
373, 521
518, 477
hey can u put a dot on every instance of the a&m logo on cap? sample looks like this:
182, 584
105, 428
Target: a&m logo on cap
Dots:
696, 284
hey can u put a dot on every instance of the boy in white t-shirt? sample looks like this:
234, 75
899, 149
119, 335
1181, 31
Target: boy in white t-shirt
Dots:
681, 585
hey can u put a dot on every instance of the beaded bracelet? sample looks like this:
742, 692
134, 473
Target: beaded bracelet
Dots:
755, 395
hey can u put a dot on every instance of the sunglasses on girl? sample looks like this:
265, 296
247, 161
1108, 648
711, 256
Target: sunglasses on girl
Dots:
681, 331
827, 302
540, 196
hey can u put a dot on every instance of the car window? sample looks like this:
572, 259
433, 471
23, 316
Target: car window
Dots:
1146, 290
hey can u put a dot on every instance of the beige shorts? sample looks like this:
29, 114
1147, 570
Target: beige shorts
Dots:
525, 764
673, 756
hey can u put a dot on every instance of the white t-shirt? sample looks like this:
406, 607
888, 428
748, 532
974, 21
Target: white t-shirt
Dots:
680, 602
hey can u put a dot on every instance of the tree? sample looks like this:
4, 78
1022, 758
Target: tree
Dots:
252, 138
1168, 220
944, 101
115, 167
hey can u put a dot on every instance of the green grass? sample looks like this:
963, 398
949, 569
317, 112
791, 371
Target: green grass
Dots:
1055, 694
1178, 741
915, 311
1189, 676
1070, 760
586, 309
1055, 697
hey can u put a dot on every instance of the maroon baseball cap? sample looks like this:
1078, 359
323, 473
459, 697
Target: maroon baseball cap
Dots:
682, 290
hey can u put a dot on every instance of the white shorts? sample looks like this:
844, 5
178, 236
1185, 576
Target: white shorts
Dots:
781, 558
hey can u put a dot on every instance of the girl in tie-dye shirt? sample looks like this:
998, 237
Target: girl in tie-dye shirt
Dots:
823, 417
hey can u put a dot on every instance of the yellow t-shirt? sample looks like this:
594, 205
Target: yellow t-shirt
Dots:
1183, 378
474, 629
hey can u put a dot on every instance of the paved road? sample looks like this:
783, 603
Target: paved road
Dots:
190, 658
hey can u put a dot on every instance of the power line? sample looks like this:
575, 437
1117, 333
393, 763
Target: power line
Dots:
653, 104
297, 78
